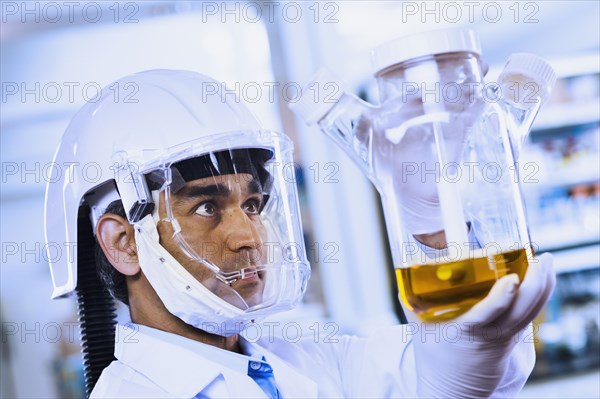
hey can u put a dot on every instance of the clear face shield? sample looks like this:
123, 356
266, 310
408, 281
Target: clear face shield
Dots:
225, 209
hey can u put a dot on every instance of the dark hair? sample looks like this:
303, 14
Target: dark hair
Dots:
113, 280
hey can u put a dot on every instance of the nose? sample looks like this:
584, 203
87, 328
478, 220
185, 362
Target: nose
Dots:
242, 233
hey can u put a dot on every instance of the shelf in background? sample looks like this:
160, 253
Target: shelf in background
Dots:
561, 238
572, 114
566, 177
576, 259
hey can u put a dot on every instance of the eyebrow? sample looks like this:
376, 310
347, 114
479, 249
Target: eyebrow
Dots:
220, 190
214, 190
254, 187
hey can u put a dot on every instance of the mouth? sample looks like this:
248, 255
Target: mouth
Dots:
245, 282
250, 286
249, 275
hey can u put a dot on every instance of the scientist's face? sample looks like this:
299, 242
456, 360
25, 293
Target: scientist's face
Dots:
220, 220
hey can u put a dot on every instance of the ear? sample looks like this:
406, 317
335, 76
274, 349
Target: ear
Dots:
117, 240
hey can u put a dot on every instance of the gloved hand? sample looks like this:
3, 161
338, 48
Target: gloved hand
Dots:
468, 356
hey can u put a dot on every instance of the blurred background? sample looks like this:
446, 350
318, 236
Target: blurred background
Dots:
55, 56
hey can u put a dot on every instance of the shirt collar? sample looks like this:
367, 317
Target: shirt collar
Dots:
290, 382
186, 366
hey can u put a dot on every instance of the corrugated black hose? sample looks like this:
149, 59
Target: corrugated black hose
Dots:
97, 312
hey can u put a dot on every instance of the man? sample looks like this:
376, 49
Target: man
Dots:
198, 232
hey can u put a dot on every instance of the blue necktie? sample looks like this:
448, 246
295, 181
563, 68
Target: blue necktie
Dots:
262, 374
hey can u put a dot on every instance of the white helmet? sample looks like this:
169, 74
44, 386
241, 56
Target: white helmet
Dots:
182, 154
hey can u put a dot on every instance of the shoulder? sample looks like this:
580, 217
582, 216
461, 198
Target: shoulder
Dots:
322, 345
380, 365
121, 381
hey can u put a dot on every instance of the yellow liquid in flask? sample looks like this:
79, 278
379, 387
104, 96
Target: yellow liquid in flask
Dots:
443, 291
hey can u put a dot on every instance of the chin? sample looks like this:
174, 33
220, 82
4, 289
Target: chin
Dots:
251, 290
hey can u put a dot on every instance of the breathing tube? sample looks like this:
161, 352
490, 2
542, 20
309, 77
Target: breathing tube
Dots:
96, 307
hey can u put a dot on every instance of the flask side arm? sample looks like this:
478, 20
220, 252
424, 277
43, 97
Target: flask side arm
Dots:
349, 125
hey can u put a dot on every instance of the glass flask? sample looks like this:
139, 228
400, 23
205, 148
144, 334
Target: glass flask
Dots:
441, 149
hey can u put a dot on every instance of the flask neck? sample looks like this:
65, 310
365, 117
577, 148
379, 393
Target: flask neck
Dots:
522, 100
349, 124
440, 73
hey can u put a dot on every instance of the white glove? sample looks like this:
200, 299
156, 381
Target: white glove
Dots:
468, 356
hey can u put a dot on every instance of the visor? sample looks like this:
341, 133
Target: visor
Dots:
226, 211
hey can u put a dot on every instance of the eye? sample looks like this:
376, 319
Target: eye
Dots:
207, 209
252, 206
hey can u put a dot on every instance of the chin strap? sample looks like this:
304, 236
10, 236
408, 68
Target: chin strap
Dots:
181, 293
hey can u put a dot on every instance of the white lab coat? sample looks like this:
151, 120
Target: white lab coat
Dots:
155, 364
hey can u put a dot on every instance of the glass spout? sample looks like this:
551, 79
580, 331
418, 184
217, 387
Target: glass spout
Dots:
524, 86
340, 115
349, 125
